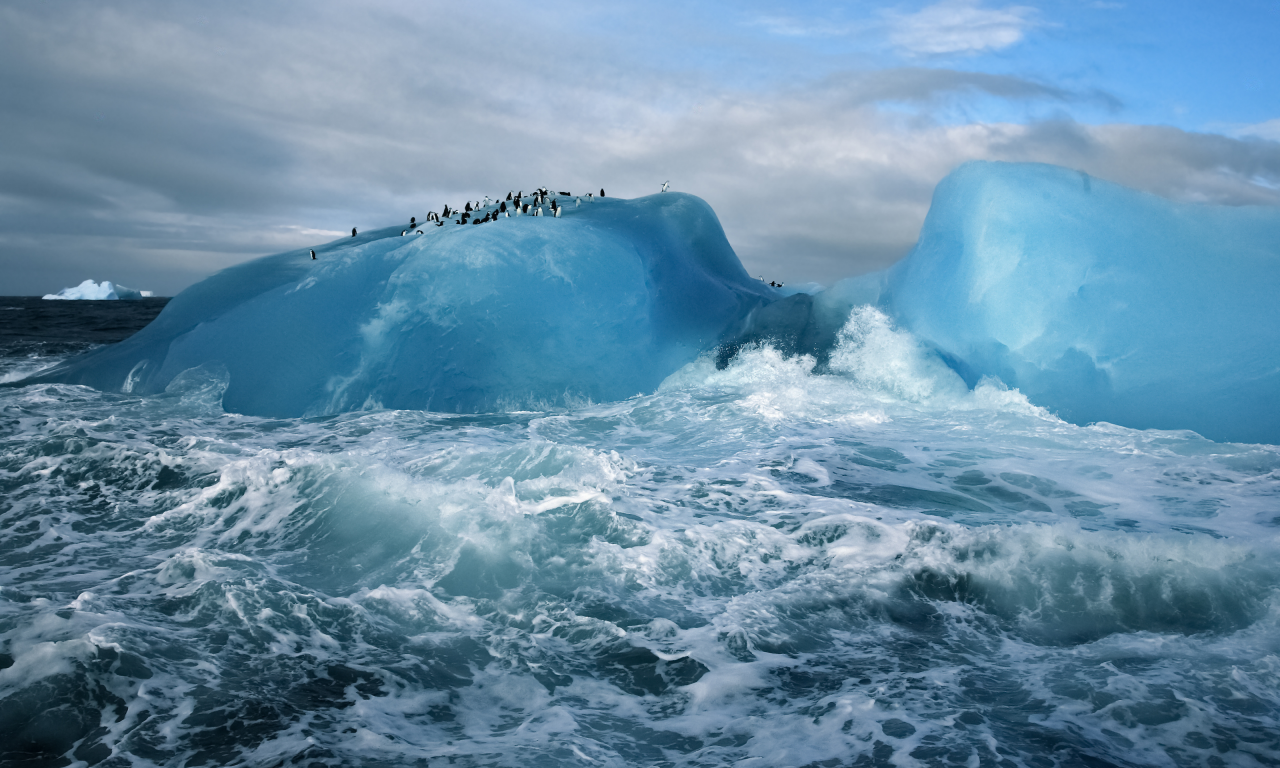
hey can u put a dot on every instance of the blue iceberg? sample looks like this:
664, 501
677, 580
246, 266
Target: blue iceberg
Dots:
91, 291
598, 304
1099, 302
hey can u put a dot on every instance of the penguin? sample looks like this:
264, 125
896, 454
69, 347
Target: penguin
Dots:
413, 222
590, 197
353, 231
404, 232
558, 210
468, 208
418, 232
508, 197
486, 202
502, 207
439, 223
537, 211
577, 201
525, 209
554, 207
665, 184
565, 194
446, 211
313, 254
602, 191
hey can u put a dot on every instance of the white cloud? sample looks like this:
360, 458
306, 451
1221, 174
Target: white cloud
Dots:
960, 26
1269, 129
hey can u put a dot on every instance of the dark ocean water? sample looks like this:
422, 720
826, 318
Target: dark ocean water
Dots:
33, 327
754, 566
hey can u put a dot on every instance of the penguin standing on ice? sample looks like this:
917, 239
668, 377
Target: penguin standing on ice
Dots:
602, 191
508, 197
665, 184
555, 208
413, 222
404, 232
557, 213
313, 254
353, 231
502, 207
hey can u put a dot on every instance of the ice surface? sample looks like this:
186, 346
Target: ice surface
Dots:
1099, 302
91, 291
600, 304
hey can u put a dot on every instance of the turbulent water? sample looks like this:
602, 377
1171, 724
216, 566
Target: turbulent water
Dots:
756, 566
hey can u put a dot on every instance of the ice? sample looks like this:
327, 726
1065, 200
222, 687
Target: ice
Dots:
91, 291
1099, 302
526, 312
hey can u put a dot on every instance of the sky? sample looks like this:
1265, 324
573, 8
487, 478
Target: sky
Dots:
154, 143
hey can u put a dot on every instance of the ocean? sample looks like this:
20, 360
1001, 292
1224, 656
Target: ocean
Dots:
755, 565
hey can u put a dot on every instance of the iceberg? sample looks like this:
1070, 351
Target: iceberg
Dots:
1100, 302
91, 291
598, 304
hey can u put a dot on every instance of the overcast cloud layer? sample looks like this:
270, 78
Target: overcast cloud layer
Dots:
153, 144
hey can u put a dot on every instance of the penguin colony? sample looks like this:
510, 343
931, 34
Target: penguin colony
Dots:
513, 205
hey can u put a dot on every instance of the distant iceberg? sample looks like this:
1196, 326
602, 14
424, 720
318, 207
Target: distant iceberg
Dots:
91, 291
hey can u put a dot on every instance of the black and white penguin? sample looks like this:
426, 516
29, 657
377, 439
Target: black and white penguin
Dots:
665, 184
502, 207
602, 191
508, 197
565, 194
353, 231
468, 208
554, 207
445, 213
413, 222
525, 208
313, 254
419, 232
557, 213
404, 232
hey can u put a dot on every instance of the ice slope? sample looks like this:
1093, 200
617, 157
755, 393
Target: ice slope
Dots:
89, 290
1099, 302
528, 311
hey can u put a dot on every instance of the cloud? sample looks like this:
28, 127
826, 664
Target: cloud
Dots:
152, 144
1269, 130
959, 26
